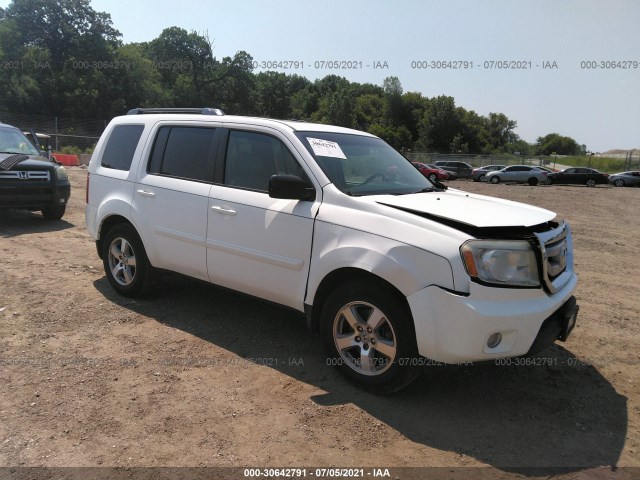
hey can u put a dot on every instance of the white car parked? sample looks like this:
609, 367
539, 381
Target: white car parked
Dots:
334, 223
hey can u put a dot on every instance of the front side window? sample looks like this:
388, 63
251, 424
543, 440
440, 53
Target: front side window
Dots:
183, 152
363, 165
252, 158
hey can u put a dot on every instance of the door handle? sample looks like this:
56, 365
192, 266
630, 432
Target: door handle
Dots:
146, 193
225, 211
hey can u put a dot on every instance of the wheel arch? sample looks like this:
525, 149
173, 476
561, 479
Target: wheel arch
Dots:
342, 276
107, 224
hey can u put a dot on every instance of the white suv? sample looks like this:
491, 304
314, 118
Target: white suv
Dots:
333, 222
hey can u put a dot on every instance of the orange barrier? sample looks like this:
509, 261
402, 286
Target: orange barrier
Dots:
68, 160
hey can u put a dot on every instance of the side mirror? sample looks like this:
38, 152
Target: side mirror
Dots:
290, 187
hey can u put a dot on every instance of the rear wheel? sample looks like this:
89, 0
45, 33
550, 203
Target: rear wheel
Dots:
495, 179
125, 261
590, 182
54, 212
370, 337
533, 181
619, 182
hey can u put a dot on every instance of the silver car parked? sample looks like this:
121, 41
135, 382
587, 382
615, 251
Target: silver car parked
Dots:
625, 179
518, 174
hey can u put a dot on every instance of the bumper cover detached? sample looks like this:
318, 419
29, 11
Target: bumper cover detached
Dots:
456, 328
557, 327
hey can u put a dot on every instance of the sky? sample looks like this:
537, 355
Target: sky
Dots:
598, 107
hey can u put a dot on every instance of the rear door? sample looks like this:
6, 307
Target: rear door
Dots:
257, 244
171, 197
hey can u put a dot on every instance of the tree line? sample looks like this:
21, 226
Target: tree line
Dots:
63, 58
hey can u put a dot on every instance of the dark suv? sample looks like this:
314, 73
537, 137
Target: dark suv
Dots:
28, 181
462, 169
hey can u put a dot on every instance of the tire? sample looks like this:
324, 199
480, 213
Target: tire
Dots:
433, 177
532, 181
495, 179
618, 182
370, 323
54, 212
590, 182
482, 178
131, 279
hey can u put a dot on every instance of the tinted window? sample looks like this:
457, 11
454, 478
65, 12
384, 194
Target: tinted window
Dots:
252, 158
121, 146
183, 152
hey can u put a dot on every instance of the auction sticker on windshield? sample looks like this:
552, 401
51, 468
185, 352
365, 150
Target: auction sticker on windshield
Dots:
325, 148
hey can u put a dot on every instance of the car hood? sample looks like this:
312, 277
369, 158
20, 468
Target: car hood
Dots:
470, 209
31, 163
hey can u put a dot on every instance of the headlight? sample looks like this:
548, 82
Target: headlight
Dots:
61, 173
508, 263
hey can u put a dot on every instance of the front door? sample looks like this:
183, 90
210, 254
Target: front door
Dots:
257, 244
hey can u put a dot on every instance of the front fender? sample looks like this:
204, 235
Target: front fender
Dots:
407, 267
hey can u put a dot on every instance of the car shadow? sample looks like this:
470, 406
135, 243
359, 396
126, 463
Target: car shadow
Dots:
533, 419
14, 223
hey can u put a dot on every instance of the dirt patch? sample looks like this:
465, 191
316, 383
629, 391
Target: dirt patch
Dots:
198, 376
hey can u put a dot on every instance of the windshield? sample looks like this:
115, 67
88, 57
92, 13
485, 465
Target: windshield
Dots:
360, 165
13, 140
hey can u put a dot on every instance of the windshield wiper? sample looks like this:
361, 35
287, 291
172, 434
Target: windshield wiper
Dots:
424, 190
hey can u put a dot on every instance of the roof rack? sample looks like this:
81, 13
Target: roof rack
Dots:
200, 111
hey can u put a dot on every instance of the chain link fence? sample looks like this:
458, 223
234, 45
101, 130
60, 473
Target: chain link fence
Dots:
76, 135
477, 160
624, 163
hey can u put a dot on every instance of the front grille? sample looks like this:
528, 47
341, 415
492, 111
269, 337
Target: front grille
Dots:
556, 254
31, 175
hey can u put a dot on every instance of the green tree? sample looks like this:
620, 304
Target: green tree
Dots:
368, 111
458, 145
67, 29
440, 124
62, 46
500, 130
393, 111
184, 59
232, 86
554, 142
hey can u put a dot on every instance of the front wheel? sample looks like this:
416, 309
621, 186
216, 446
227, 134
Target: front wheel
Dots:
125, 261
433, 177
619, 182
54, 212
482, 178
590, 183
370, 337
495, 179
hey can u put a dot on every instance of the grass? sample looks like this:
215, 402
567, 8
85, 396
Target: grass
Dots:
606, 165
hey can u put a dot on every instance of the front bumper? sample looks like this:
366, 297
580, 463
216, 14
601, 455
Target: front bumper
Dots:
33, 196
454, 328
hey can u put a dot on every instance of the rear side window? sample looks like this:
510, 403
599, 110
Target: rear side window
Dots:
122, 143
184, 152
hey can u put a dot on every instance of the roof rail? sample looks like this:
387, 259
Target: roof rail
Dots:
201, 111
